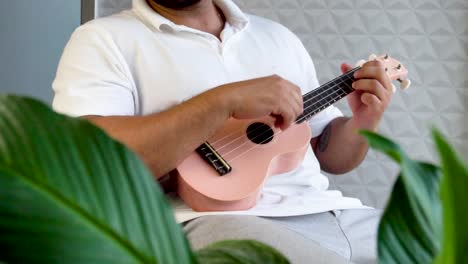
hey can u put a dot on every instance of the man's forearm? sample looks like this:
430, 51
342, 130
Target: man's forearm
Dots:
164, 139
340, 148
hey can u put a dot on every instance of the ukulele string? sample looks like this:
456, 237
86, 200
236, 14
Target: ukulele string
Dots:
308, 100
339, 96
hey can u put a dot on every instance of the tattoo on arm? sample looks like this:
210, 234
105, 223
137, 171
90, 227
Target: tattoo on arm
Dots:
322, 144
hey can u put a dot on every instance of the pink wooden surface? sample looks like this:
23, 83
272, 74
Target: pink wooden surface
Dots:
201, 187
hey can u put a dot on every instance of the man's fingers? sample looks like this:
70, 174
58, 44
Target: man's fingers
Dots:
374, 70
293, 106
297, 103
346, 67
289, 113
372, 86
286, 120
371, 101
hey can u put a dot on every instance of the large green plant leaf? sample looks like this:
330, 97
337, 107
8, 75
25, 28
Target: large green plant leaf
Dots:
454, 201
410, 230
70, 194
240, 252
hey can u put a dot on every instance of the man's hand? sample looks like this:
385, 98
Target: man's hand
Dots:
372, 96
373, 91
268, 96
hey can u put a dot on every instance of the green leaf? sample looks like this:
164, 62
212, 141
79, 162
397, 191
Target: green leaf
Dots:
454, 199
240, 252
410, 230
70, 194
384, 145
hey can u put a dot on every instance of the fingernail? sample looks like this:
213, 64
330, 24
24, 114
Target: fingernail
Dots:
353, 85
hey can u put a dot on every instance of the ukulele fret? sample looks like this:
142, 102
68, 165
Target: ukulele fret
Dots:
324, 96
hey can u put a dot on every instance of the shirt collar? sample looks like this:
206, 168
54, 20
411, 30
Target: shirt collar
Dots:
234, 16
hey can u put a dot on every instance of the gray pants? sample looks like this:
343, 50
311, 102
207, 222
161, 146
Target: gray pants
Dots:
347, 236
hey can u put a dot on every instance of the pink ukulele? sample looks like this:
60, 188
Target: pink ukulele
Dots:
228, 171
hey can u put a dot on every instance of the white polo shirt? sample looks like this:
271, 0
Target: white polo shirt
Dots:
138, 63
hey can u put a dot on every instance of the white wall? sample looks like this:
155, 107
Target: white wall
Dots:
33, 34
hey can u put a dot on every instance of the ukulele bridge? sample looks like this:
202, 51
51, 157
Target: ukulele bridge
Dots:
210, 155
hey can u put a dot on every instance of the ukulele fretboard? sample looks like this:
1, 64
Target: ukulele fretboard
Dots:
326, 95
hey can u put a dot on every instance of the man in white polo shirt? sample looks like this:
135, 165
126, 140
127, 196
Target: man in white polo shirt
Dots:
165, 75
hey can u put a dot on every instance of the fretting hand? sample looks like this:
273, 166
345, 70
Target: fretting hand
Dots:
373, 92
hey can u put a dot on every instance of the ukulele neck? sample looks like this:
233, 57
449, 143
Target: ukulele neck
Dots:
319, 99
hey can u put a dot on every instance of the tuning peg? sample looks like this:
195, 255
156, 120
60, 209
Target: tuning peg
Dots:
372, 57
393, 88
404, 84
360, 63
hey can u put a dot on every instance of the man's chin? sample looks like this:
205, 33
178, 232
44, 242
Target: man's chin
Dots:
176, 4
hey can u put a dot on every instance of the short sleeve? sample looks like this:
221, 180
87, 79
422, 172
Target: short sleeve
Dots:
318, 122
92, 77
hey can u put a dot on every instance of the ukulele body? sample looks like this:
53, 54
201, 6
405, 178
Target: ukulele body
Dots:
203, 189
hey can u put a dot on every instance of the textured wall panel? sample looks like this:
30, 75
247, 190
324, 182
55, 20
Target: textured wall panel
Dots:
108, 7
429, 36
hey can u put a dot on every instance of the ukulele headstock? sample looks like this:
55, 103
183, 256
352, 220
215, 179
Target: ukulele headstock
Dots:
395, 69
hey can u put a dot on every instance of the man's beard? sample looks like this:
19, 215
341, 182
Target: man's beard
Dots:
175, 4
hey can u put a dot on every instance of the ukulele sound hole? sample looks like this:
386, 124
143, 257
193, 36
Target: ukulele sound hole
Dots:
260, 133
